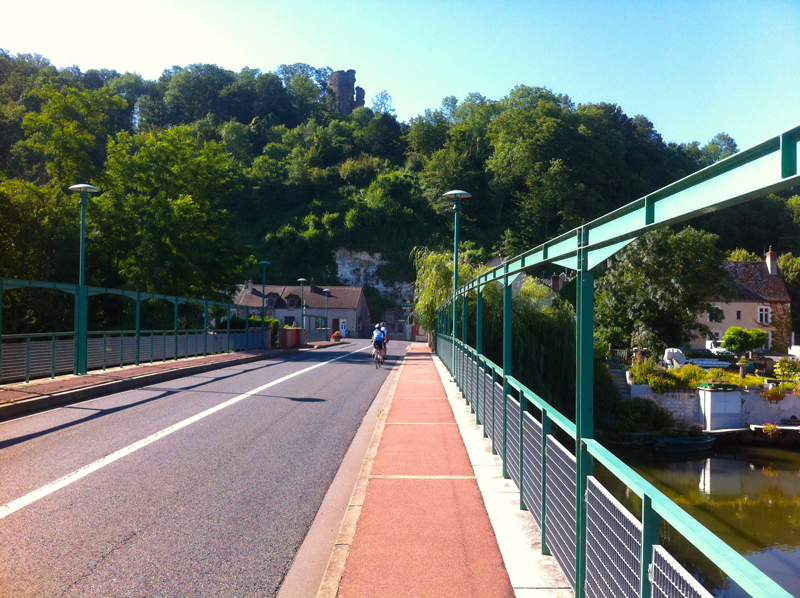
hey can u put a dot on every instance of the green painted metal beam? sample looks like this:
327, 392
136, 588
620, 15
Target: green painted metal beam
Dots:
766, 168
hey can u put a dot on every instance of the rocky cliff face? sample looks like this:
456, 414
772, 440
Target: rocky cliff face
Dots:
357, 268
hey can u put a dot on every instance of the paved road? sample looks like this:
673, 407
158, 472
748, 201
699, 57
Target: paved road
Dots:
194, 487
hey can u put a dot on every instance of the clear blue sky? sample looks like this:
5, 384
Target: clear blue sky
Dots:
694, 68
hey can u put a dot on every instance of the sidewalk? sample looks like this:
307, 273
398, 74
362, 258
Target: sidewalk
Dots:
417, 524
20, 398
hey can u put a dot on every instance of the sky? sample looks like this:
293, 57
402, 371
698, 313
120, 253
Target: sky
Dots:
694, 68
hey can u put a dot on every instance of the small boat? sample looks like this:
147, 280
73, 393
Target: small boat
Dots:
683, 445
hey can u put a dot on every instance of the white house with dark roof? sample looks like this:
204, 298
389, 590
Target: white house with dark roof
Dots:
283, 302
761, 302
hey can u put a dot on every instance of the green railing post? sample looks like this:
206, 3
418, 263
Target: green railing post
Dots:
650, 525
138, 326
479, 351
105, 350
121, 349
584, 412
175, 328
229, 328
247, 329
28, 359
53, 359
205, 330
494, 419
507, 315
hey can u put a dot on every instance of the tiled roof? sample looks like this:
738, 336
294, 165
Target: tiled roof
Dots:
340, 297
753, 282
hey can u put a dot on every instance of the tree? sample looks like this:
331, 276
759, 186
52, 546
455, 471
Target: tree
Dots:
742, 255
71, 131
658, 286
382, 103
740, 341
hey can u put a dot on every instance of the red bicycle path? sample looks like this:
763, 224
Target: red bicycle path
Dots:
423, 529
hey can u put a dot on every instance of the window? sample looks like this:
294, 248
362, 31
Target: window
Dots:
764, 315
711, 319
288, 321
270, 301
738, 314
290, 303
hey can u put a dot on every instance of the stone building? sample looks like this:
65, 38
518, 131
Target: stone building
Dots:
761, 301
348, 96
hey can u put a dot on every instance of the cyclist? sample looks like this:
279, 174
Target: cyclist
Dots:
378, 340
385, 339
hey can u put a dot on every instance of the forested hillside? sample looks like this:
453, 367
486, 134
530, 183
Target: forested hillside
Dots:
205, 171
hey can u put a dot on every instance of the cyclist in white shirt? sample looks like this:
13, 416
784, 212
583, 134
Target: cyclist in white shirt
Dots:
378, 342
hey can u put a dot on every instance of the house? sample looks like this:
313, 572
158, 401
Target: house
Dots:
283, 303
761, 302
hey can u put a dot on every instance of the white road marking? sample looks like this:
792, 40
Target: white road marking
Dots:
19, 503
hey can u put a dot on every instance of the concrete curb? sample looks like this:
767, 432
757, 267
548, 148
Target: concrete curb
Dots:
27, 406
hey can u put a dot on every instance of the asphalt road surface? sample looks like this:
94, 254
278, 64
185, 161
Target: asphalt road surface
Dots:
202, 486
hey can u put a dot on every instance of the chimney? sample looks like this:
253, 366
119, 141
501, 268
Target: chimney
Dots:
313, 286
772, 262
555, 282
250, 286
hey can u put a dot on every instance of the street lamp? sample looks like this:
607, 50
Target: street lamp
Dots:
264, 265
302, 282
82, 297
327, 294
456, 196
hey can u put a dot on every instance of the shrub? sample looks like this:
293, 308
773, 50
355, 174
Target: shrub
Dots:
787, 369
643, 369
645, 415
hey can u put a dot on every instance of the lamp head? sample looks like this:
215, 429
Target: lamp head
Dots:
457, 196
84, 188
302, 281
264, 263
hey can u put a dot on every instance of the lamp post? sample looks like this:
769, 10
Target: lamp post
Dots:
302, 282
82, 297
456, 196
327, 294
264, 265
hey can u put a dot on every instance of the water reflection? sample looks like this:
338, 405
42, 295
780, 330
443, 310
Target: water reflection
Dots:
748, 496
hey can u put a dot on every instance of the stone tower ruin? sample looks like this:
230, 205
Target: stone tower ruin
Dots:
348, 96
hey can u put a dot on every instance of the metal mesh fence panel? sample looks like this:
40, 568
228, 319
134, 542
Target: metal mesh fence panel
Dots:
488, 406
613, 545
512, 452
532, 468
497, 417
560, 507
668, 579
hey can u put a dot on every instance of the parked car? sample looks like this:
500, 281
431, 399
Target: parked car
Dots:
716, 348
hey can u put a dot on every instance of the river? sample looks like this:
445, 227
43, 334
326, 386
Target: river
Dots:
748, 496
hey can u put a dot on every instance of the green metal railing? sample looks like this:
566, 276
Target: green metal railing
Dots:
766, 168
81, 338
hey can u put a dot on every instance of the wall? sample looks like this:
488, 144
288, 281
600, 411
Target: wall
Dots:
686, 406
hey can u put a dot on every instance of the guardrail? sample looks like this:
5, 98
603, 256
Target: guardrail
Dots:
26, 356
623, 554
31, 356
603, 549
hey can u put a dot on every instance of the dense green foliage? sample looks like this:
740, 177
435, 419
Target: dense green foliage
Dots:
739, 340
205, 171
651, 295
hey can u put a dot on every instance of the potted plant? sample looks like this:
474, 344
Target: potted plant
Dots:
336, 336
774, 394
771, 430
